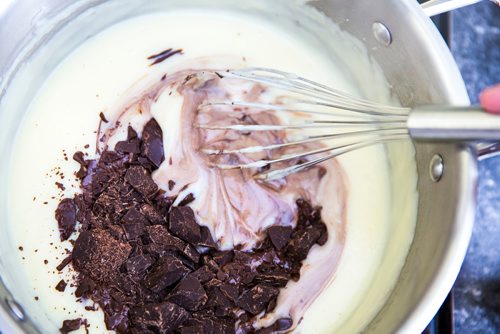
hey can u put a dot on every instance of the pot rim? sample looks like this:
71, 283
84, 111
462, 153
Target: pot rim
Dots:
443, 281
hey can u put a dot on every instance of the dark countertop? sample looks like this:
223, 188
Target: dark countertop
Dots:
475, 44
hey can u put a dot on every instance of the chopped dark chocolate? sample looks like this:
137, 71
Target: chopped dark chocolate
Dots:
256, 299
64, 263
159, 235
99, 255
131, 145
66, 218
61, 286
206, 239
163, 318
189, 294
71, 325
186, 200
279, 235
139, 178
301, 243
138, 265
133, 231
153, 269
166, 272
203, 274
152, 214
133, 216
152, 143
182, 223
279, 326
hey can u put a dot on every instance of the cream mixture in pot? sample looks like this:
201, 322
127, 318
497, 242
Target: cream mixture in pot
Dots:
108, 71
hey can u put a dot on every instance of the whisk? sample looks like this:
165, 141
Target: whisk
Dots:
355, 123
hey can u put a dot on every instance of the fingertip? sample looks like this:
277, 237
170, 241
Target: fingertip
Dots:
490, 99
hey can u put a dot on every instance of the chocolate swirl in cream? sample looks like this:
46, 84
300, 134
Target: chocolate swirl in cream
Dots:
234, 206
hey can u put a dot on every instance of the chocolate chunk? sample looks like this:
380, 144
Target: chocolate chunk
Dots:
98, 254
140, 179
186, 200
324, 234
64, 263
193, 330
171, 184
159, 235
138, 265
239, 273
283, 324
85, 287
133, 216
183, 224
102, 117
117, 320
279, 326
80, 158
108, 157
131, 145
189, 294
223, 257
71, 325
117, 232
61, 286
301, 243
151, 214
230, 291
279, 235
203, 274
218, 300
66, 218
256, 299
166, 272
206, 238
140, 330
163, 318
152, 143
133, 231
191, 253
276, 277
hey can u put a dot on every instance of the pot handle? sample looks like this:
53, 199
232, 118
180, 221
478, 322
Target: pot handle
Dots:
435, 7
450, 123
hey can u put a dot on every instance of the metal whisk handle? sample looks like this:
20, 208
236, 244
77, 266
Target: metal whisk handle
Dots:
448, 123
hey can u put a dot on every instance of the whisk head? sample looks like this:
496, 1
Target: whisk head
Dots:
323, 123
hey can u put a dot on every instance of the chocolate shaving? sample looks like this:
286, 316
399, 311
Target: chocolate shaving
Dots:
64, 263
66, 218
159, 57
61, 286
71, 325
102, 117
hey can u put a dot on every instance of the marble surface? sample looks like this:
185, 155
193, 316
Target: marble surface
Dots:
475, 44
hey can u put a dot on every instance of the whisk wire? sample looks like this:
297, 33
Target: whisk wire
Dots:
280, 173
355, 122
307, 140
294, 83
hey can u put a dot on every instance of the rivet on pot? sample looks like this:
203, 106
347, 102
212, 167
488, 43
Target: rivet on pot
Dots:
436, 168
15, 309
382, 33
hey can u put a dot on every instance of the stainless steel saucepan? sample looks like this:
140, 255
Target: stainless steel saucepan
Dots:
417, 63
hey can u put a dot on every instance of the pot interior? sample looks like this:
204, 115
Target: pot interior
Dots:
444, 208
